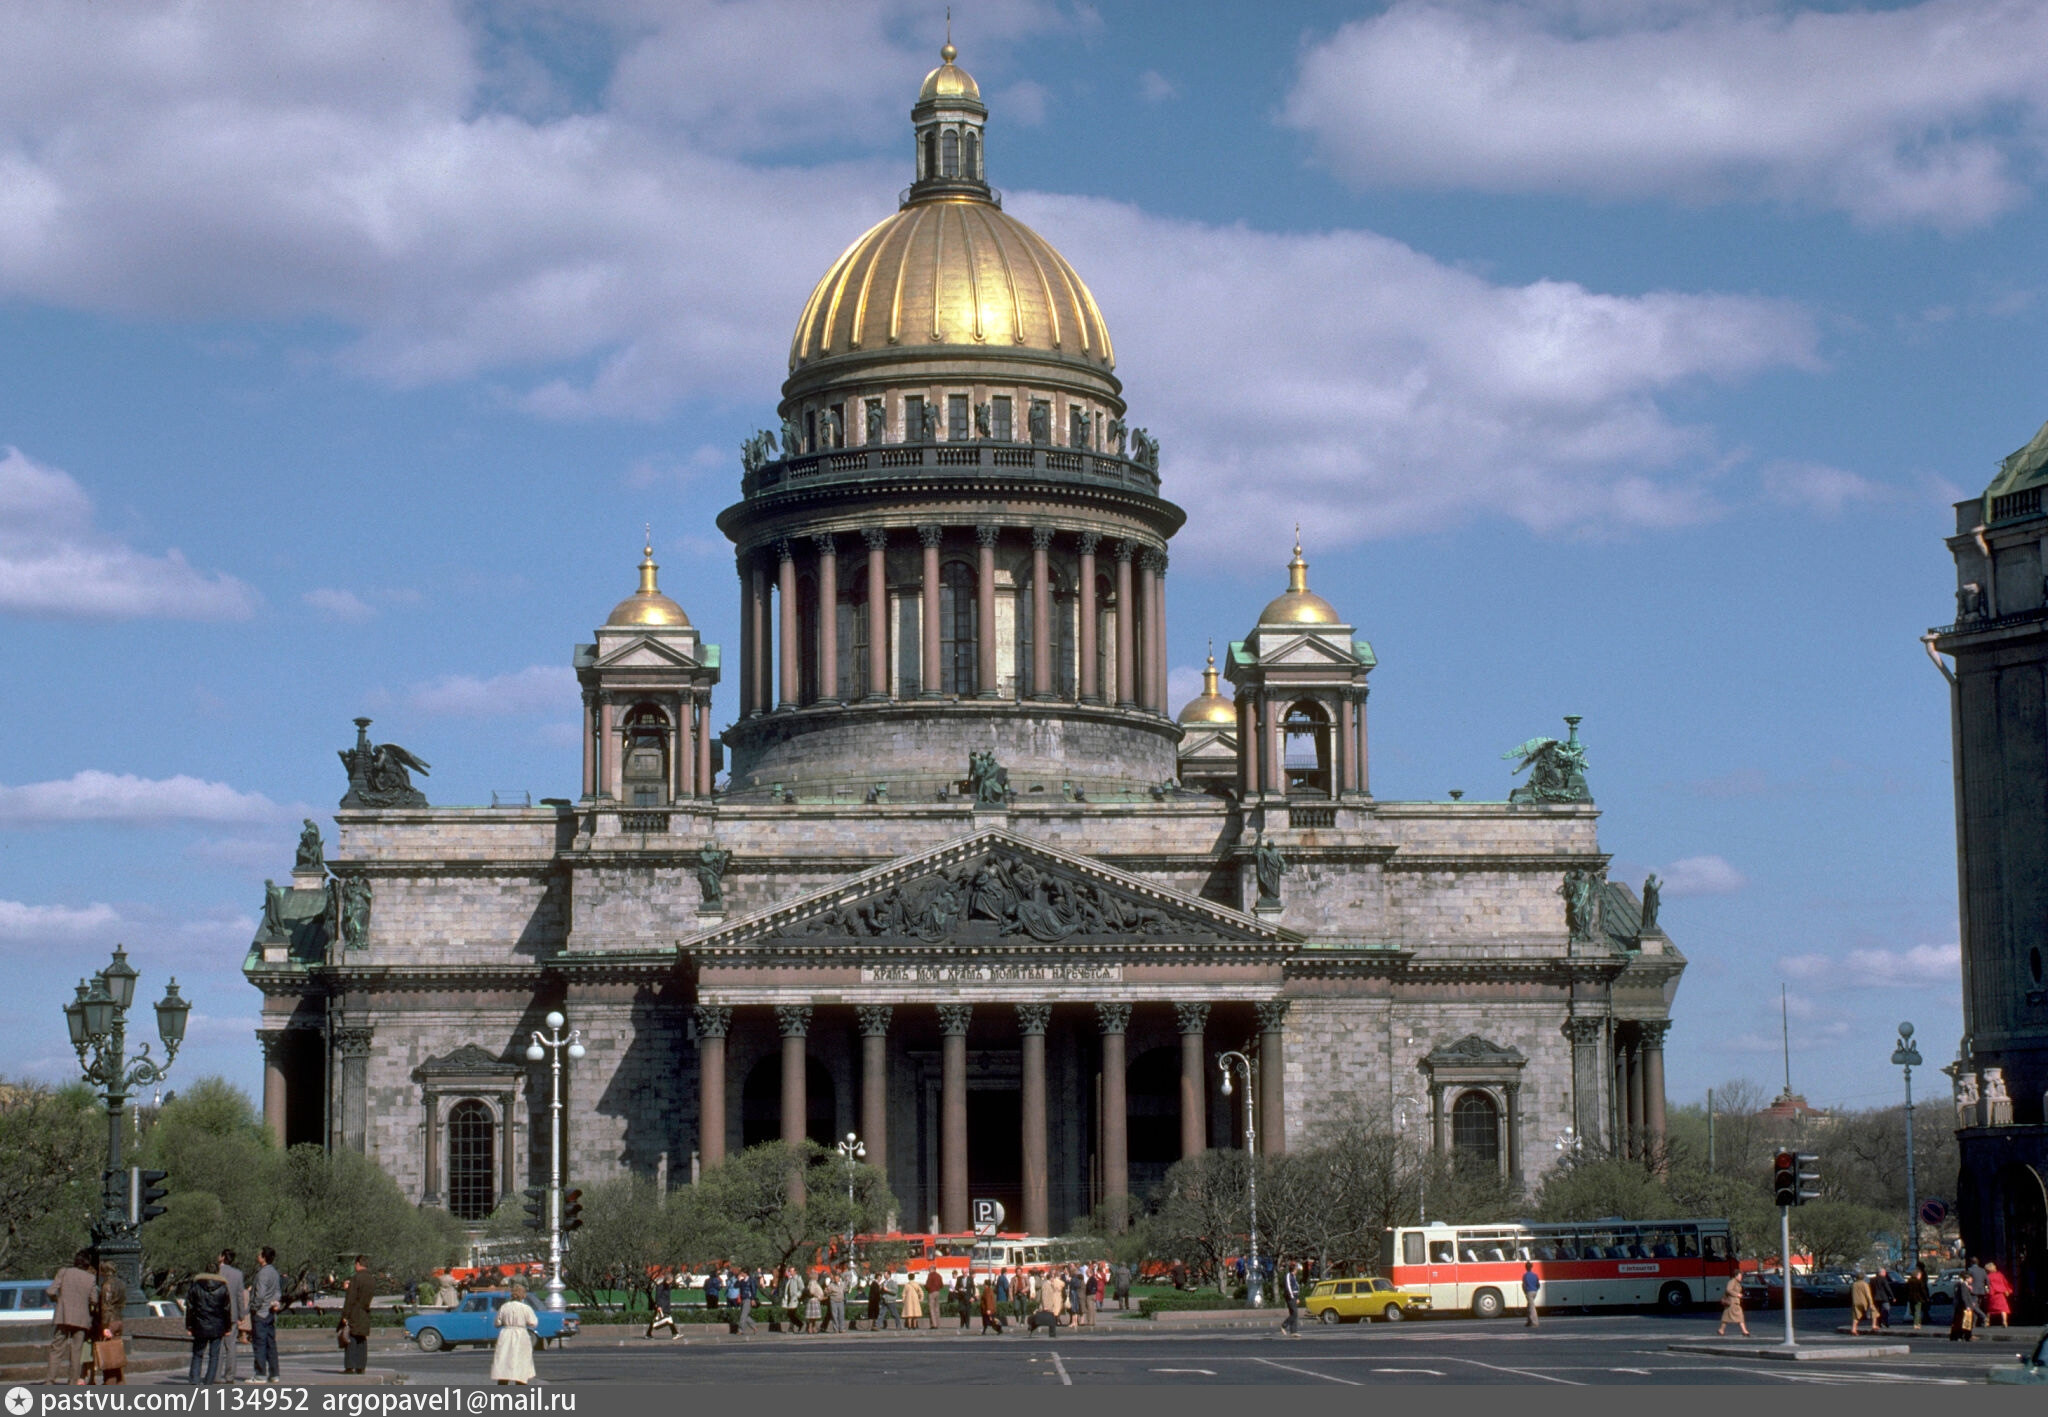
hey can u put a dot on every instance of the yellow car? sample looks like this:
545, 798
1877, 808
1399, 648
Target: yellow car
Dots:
1335, 1300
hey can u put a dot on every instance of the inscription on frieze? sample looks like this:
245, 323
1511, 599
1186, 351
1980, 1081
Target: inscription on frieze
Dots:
996, 973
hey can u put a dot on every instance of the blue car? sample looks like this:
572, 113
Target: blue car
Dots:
475, 1320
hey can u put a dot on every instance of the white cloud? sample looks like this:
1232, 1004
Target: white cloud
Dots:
1930, 113
44, 924
1817, 486
55, 563
1879, 968
539, 688
343, 605
1155, 87
1701, 875
95, 796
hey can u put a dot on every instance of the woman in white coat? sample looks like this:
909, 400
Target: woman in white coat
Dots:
512, 1359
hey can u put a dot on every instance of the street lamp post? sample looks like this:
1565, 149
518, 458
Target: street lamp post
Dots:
1249, 1069
97, 1019
550, 1045
852, 1149
1908, 1057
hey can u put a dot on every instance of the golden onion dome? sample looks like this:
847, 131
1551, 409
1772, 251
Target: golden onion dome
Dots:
1300, 605
648, 606
957, 271
949, 80
1209, 706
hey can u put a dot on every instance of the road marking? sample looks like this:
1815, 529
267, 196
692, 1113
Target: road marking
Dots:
1307, 1372
1519, 1372
1205, 1372
1431, 1371
1061, 1369
1639, 1372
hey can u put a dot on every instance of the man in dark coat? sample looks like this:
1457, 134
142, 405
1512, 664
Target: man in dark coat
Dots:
355, 1318
209, 1319
71, 1295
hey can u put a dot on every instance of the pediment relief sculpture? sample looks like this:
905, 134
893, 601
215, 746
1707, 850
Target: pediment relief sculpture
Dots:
1473, 1050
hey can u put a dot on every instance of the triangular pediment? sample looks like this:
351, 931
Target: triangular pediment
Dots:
994, 887
467, 1062
1314, 650
644, 652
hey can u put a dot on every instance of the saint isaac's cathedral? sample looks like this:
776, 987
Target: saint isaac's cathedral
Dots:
970, 886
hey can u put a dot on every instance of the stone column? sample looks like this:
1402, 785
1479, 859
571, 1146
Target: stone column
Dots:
877, 539
1042, 634
352, 1046
713, 1022
1514, 1138
795, 1022
607, 751
742, 563
930, 535
1272, 1015
1651, 1036
1148, 633
874, 1082
683, 750
1126, 629
758, 638
985, 610
1638, 1122
1438, 1142
1090, 683
827, 547
1031, 1024
508, 1156
589, 744
1344, 761
1617, 1065
1115, 1020
1194, 1113
430, 1149
1248, 744
953, 1021
1273, 748
1363, 777
705, 782
790, 660
1161, 658
1584, 1033
272, 1041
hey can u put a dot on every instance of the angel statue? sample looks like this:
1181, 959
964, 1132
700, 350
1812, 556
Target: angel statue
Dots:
758, 451
1557, 771
379, 776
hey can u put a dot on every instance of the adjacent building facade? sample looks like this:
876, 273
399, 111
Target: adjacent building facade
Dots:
969, 887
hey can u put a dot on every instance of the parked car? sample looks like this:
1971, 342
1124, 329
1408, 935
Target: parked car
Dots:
1337, 1300
474, 1320
25, 1301
165, 1308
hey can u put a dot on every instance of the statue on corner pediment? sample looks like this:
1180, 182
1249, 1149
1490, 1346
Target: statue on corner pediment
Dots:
380, 775
1557, 770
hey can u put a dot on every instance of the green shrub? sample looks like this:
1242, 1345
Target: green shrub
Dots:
1187, 1299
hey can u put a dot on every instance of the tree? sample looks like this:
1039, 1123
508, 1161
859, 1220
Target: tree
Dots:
1203, 1212
1835, 1232
749, 1215
53, 1147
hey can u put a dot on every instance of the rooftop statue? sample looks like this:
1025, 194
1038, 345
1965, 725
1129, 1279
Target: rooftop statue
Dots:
989, 779
1653, 897
877, 420
1269, 865
380, 776
1557, 771
312, 854
712, 864
792, 437
1581, 892
1041, 422
1144, 449
983, 428
758, 451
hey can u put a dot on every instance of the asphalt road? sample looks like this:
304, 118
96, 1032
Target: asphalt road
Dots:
1566, 1350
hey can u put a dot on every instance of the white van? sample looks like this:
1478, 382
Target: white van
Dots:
26, 1301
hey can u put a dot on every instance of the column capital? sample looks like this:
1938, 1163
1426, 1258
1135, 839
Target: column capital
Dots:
954, 1018
1650, 1032
1126, 550
1113, 1018
1041, 537
1089, 540
793, 1019
1153, 560
931, 534
876, 537
1033, 1018
1584, 1031
353, 1042
874, 1019
825, 543
1272, 1014
713, 1020
1194, 1018
271, 1040
783, 550
986, 534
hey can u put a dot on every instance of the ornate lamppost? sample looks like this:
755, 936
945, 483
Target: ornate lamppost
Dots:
851, 1150
1248, 1068
98, 1022
1908, 1057
550, 1045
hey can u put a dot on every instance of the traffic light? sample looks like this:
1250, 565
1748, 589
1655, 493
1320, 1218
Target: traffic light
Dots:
572, 1211
1808, 1186
1785, 1179
536, 1208
145, 1189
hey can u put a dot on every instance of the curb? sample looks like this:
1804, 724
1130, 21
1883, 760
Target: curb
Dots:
1804, 1353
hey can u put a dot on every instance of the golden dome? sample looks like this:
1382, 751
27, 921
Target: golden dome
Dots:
1209, 706
948, 80
1300, 606
952, 271
647, 606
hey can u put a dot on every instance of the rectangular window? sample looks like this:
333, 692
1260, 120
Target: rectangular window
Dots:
956, 418
999, 419
811, 429
913, 418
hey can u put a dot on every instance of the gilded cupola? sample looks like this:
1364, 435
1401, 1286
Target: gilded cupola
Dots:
1209, 706
647, 606
1300, 605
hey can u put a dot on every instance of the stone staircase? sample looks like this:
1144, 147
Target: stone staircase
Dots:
25, 1356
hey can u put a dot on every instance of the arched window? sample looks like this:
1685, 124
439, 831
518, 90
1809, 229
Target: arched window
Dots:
1307, 748
644, 769
949, 154
1063, 634
472, 1157
853, 636
931, 155
973, 155
1475, 1133
957, 617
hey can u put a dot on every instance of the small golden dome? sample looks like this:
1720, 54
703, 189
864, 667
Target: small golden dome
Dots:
949, 80
954, 271
647, 606
1209, 707
1300, 606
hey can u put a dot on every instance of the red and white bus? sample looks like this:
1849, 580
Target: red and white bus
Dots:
1672, 1264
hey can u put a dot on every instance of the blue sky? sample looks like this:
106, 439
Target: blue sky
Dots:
1619, 359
